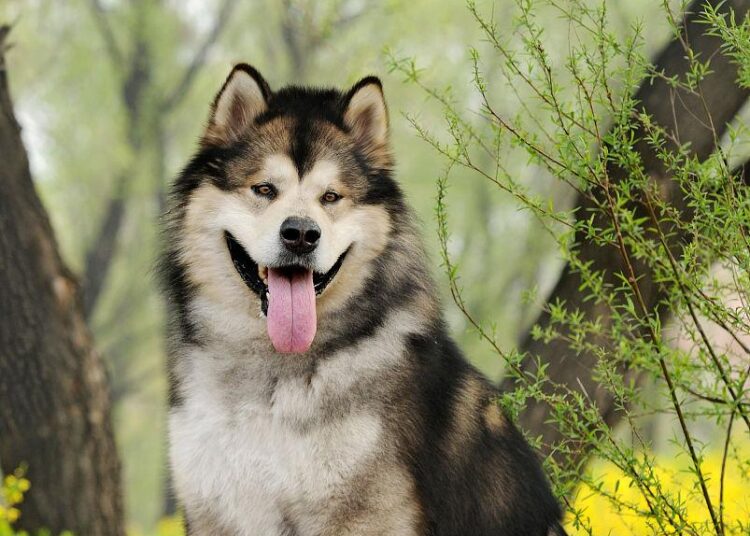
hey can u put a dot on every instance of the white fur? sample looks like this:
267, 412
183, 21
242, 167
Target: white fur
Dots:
247, 458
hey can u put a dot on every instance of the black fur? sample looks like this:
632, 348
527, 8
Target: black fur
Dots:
495, 485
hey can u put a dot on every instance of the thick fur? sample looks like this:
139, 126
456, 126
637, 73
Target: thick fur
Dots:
382, 427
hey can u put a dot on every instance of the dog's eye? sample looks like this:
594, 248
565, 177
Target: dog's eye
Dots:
330, 197
264, 190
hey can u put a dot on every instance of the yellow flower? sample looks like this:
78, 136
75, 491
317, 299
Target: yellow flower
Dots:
12, 514
171, 526
678, 483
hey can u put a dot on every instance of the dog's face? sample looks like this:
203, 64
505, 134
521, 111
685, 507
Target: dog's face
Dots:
287, 203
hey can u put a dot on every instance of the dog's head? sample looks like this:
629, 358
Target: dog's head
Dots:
287, 204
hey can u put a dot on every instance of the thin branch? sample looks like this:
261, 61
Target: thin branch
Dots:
290, 36
179, 92
100, 255
725, 451
339, 24
712, 399
108, 36
303, 35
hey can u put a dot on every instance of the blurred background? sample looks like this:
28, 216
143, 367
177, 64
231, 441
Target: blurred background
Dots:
113, 94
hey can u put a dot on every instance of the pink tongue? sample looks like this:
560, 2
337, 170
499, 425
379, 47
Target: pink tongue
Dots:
291, 311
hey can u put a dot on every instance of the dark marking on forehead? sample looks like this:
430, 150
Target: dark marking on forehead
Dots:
309, 110
302, 151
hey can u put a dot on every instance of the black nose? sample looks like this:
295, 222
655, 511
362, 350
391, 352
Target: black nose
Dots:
299, 235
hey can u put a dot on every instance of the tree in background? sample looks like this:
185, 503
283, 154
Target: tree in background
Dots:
55, 411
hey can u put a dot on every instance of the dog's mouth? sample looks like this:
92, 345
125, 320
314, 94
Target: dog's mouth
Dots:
287, 296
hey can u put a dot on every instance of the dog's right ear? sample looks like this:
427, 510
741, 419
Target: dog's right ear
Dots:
242, 98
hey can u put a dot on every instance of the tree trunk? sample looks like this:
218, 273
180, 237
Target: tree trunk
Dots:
684, 116
54, 397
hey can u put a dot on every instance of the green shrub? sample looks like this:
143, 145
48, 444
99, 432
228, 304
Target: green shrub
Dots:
658, 240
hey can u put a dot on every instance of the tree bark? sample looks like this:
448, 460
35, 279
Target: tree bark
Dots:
685, 117
54, 396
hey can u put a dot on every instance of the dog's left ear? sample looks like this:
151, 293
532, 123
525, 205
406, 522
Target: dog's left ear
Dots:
366, 115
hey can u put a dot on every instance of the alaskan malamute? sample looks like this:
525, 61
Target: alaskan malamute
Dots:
314, 388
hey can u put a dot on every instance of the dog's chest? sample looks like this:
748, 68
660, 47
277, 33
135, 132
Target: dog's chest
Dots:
250, 463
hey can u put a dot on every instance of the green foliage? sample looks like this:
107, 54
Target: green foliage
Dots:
736, 38
571, 115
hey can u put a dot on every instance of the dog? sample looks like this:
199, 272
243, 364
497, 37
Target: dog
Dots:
314, 389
